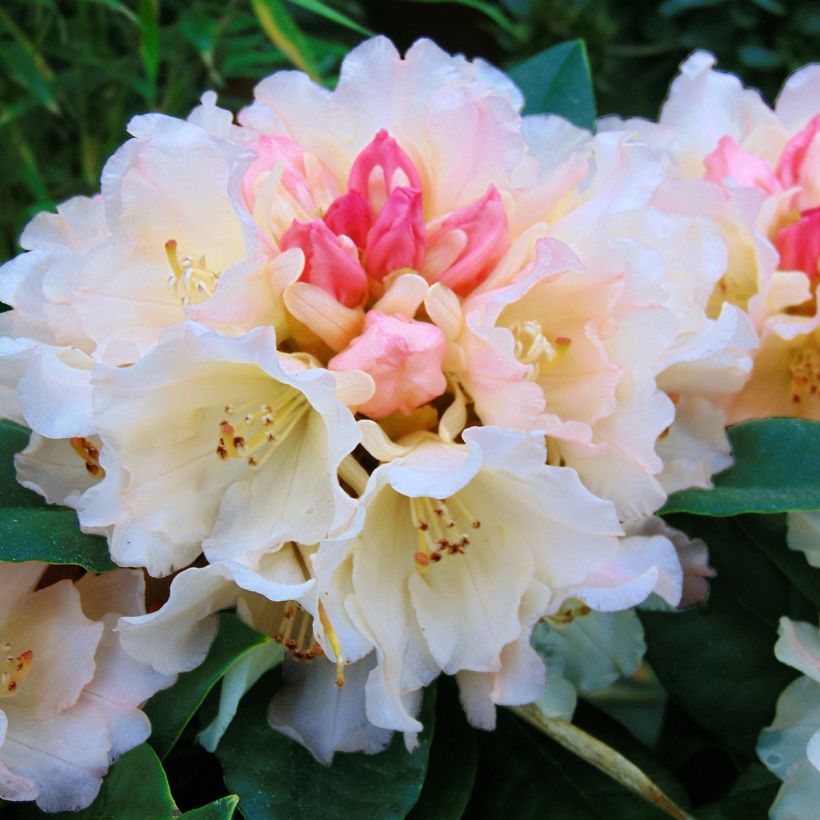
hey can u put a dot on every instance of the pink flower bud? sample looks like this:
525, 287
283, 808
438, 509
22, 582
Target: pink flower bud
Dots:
396, 239
799, 244
729, 160
404, 358
799, 165
380, 168
478, 234
330, 263
349, 215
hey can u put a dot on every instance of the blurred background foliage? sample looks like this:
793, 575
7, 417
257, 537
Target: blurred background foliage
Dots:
74, 71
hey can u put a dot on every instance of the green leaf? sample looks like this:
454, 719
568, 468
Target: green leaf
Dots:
285, 34
558, 81
453, 761
50, 534
488, 9
135, 788
523, 774
171, 710
777, 468
277, 778
717, 661
334, 15
222, 809
13, 439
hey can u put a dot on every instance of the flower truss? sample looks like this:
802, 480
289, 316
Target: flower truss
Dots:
398, 372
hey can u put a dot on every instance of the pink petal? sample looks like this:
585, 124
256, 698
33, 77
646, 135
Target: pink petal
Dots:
328, 264
396, 239
404, 358
791, 168
349, 215
799, 244
483, 224
730, 160
380, 168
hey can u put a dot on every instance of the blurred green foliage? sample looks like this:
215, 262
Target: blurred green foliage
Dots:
72, 72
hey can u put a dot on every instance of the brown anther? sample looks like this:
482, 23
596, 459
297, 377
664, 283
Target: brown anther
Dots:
226, 427
238, 442
436, 556
476, 524
423, 526
221, 451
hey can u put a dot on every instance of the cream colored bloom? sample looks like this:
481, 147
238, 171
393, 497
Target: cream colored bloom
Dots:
69, 696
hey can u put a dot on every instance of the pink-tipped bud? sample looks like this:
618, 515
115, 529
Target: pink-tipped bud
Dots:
476, 236
396, 239
380, 168
330, 263
349, 215
799, 165
799, 244
730, 161
404, 358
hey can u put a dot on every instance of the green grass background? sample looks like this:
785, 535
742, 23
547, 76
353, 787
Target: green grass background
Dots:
72, 72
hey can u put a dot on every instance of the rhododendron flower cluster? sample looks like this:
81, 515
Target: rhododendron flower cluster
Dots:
396, 372
756, 172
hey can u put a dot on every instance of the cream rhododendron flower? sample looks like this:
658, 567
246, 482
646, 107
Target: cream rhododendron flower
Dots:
218, 441
756, 172
69, 695
495, 306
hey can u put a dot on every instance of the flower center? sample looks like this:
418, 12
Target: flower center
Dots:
191, 280
442, 526
288, 623
805, 370
534, 349
89, 453
13, 669
253, 431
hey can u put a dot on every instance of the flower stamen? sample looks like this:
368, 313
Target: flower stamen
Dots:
254, 430
441, 528
805, 373
89, 453
191, 280
534, 349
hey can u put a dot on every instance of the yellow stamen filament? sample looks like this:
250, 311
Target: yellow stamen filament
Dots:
335, 644
191, 280
534, 349
441, 528
13, 669
89, 453
253, 431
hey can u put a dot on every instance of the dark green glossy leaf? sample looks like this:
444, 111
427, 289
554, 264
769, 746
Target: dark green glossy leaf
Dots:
276, 778
222, 809
717, 661
453, 761
171, 710
525, 775
558, 81
50, 534
777, 468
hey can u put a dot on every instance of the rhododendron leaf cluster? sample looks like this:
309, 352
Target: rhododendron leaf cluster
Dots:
370, 393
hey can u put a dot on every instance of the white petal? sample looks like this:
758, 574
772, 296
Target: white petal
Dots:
799, 646
803, 534
324, 718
